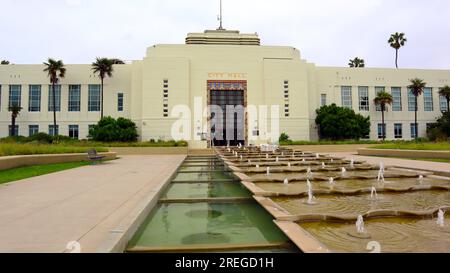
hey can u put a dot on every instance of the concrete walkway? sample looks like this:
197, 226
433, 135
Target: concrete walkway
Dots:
43, 214
397, 162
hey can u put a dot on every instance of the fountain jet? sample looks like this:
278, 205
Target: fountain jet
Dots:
331, 181
360, 227
311, 197
441, 218
374, 194
286, 182
268, 171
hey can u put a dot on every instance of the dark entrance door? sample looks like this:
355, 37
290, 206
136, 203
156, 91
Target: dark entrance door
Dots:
234, 121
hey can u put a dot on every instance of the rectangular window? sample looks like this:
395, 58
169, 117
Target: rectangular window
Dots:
57, 98
33, 130
428, 99
442, 102
15, 93
397, 99
411, 101
347, 97
120, 102
74, 98
363, 92
51, 130
14, 132
414, 131
94, 98
381, 131
74, 131
398, 130
323, 99
378, 90
34, 102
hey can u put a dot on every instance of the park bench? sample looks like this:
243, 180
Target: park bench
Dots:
94, 157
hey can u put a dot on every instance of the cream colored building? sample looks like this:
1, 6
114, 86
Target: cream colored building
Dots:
148, 90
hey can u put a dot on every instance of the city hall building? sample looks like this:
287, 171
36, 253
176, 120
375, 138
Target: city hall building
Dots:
221, 68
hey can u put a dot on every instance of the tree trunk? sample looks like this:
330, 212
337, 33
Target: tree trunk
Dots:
54, 108
396, 58
384, 125
101, 114
448, 105
415, 120
13, 126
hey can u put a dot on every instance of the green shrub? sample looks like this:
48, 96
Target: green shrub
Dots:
111, 130
284, 138
41, 137
340, 123
440, 131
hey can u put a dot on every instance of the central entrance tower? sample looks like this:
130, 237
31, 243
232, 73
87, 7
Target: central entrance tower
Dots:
227, 103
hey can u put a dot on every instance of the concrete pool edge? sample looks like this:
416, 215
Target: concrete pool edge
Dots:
301, 238
119, 237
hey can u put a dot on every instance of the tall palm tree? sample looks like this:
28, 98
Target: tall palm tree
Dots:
417, 86
56, 71
383, 98
4, 62
15, 111
103, 67
357, 62
445, 92
396, 41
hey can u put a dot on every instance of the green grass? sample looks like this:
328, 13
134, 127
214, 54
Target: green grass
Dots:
27, 172
9, 149
441, 146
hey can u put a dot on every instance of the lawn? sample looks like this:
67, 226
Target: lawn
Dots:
329, 142
27, 172
441, 146
9, 149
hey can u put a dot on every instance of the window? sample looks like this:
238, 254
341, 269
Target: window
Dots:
323, 99
347, 97
414, 132
397, 99
74, 98
381, 131
33, 130
94, 98
57, 98
34, 104
15, 92
442, 102
74, 131
363, 92
378, 90
120, 102
398, 130
14, 132
428, 99
90, 128
166, 98
51, 130
411, 101
286, 98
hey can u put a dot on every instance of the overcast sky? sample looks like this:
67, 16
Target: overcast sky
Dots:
327, 32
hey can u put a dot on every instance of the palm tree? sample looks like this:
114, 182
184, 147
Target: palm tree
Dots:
56, 71
445, 92
103, 67
357, 62
383, 98
4, 62
15, 111
117, 61
396, 41
417, 86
